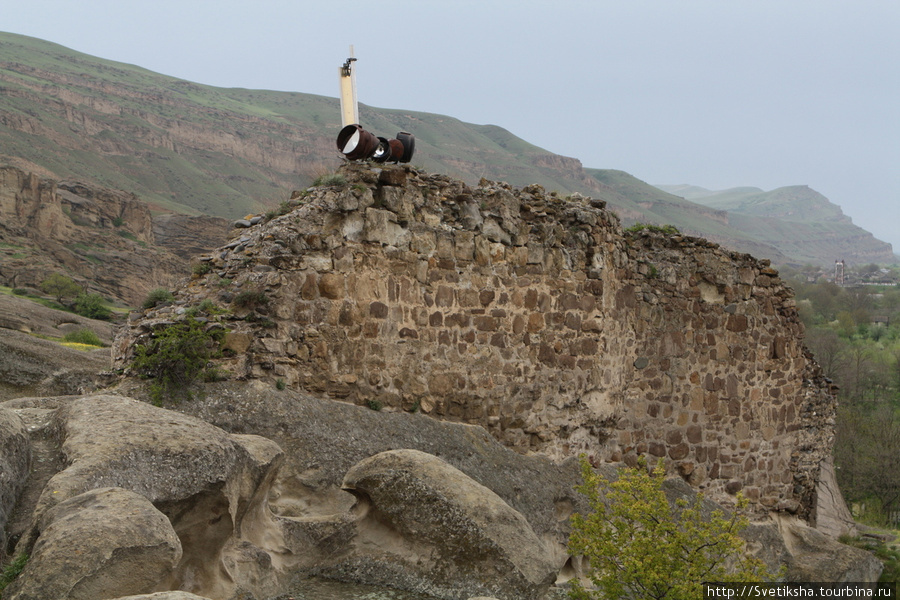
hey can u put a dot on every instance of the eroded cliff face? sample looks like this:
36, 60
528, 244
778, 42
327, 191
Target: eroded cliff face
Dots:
104, 239
532, 315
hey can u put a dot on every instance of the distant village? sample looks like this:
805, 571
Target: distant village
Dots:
846, 275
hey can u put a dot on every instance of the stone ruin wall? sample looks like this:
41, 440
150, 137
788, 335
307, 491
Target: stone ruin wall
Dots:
535, 317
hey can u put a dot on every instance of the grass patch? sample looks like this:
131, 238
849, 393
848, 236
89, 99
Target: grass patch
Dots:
12, 570
84, 337
330, 179
666, 229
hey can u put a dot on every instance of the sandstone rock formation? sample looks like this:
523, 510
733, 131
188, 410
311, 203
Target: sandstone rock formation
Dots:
533, 316
21, 314
204, 481
250, 516
103, 543
33, 366
812, 553
104, 239
15, 461
248, 526
422, 519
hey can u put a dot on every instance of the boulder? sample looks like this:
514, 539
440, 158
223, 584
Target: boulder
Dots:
15, 459
422, 516
323, 439
101, 544
206, 481
814, 556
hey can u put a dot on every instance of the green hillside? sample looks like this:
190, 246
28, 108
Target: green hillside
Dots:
185, 147
196, 148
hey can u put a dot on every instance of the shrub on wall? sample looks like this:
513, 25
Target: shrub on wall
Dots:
176, 356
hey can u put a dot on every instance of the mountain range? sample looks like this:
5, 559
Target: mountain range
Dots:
183, 147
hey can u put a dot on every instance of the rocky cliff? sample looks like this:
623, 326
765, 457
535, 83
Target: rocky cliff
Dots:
104, 239
532, 315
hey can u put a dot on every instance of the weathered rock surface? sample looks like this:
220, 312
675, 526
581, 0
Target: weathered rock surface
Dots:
20, 314
833, 517
250, 518
205, 481
428, 523
100, 544
34, 366
15, 461
322, 440
104, 239
813, 556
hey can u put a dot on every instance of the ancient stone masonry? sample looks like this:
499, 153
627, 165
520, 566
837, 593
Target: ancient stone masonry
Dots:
532, 315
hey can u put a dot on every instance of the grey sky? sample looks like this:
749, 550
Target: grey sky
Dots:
716, 93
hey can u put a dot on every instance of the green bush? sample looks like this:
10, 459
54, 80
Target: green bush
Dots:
637, 545
92, 307
20, 291
284, 208
251, 299
209, 307
156, 297
83, 336
201, 268
176, 356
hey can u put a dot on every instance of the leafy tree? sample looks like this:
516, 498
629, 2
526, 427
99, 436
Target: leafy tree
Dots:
829, 349
92, 307
60, 287
866, 452
641, 547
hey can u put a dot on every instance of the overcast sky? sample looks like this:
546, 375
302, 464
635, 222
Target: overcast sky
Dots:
715, 93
